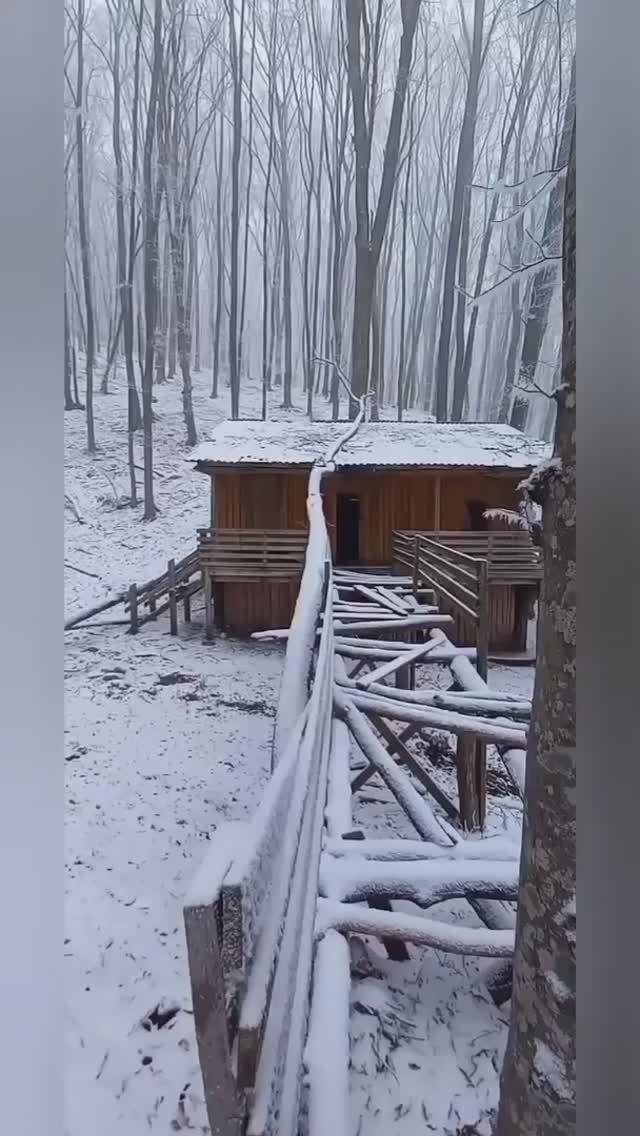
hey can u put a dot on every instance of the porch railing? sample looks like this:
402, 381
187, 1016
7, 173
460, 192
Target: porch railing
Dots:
237, 555
511, 555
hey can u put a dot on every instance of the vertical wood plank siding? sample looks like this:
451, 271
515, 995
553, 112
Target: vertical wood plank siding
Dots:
389, 499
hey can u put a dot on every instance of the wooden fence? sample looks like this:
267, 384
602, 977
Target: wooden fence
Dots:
460, 579
145, 602
511, 555
233, 555
178, 584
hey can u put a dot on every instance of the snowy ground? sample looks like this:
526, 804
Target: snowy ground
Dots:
165, 739
426, 1039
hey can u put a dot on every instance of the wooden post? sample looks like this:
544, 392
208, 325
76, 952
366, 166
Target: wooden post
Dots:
208, 604
467, 782
482, 625
133, 608
187, 605
416, 565
481, 780
173, 606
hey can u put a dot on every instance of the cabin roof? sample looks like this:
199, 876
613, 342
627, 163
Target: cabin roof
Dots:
381, 445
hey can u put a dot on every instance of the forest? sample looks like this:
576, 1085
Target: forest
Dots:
279, 193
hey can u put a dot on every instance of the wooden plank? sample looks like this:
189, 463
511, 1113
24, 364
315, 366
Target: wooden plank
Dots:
393, 665
403, 624
397, 744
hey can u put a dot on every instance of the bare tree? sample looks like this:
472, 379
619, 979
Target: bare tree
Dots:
363, 82
85, 251
538, 1078
461, 189
152, 196
236, 57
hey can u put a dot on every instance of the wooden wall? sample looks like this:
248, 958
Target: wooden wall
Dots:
260, 606
390, 499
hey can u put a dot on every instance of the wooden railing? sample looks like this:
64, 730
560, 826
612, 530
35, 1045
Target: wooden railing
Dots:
455, 576
236, 555
511, 555
181, 581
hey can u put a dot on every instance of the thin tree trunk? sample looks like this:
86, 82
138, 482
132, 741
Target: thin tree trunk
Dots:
82, 228
236, 53
538, 1096
215, 376
163, 329
69, 402
247, 206
369, 237
464, 171
152, 197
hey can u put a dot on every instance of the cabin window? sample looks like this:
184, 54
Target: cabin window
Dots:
347, 529
476, 520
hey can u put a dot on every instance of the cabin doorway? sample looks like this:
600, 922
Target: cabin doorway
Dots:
347, 529
476, 520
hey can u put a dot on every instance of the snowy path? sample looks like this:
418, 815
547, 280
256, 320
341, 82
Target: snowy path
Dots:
165, 739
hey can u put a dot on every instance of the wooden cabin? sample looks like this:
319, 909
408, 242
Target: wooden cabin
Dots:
389, 478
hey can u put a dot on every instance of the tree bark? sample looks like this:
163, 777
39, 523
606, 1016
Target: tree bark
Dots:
82, 229
464, 173
538, 1079
544, 283
369, 237
151, 198
236, 47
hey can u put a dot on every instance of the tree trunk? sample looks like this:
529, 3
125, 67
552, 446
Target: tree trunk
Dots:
464, 173
215, 375
152, 198
82, 231
163, 323
235, 52
369, 237
544, 283
183, 327
537, 1095
69, 401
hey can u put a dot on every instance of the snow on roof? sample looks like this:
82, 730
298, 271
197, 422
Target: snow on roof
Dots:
377, 444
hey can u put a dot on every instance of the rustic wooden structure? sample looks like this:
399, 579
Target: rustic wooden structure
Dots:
269, 916
392, 478
143, 603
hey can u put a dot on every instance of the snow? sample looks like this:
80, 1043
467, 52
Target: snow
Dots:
376, 444
327, 1048
168, 742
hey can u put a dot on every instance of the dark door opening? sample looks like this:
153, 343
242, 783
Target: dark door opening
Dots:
476, 520
347, 529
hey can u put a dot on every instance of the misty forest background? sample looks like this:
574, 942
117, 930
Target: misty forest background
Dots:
275, 194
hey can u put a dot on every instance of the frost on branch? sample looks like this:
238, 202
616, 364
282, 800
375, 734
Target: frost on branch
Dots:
536, 485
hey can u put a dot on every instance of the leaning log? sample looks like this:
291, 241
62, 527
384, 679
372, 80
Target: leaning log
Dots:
80, 618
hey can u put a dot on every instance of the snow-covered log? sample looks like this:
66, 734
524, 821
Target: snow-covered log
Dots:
453, 938
316, 586
327, 1051
416, 808
496, 731
402, 623
380, 654
513, 755
424, 882
488, 848
338, 816
412, 656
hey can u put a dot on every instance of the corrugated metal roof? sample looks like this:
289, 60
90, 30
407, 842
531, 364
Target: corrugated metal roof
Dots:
377, 444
